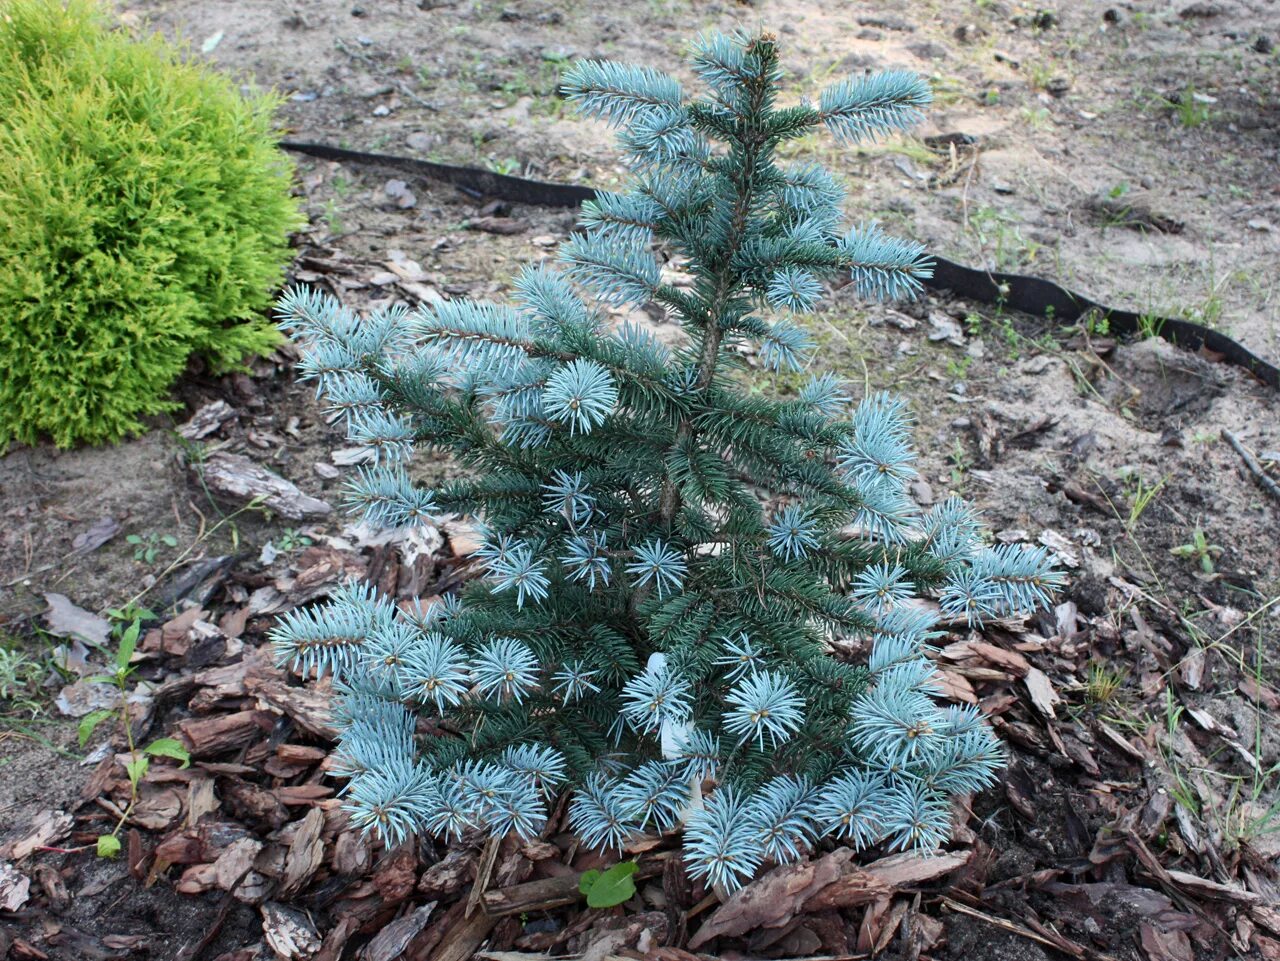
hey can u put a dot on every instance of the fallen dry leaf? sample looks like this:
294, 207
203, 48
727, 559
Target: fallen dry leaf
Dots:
65, 619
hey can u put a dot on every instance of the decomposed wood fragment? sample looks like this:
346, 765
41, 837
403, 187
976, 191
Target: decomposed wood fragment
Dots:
1011, 661
237, 477
775, 899
390, 943
539, 895
307, 706
227, 732
352, 855
306, 853
1042, 692
289, 932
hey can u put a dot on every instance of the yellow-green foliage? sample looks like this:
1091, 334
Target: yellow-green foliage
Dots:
144, 218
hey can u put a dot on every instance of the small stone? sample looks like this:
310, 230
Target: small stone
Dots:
398, 191
1002, 188
922, 492
357, 11
381, 110
929, 50
1257, 223
544, 240
943, 327
969, 32
1058, 86
327, 471
1263, 44
422, 142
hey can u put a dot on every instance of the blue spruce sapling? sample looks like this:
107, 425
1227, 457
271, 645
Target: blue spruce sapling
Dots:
652, 633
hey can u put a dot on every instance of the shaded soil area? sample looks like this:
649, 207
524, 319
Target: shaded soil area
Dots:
1126, 150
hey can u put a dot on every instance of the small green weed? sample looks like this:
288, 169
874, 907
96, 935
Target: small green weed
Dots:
1141, 494
1103, 683
19, 682
1198, 549
108, 845
1191, 109
291, 540
147, 547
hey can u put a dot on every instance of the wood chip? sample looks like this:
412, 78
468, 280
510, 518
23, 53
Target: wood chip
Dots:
226, 732
539, 895
911, 868
306, 853
236, 864
289, 932
239, 478
1042, 692
15, 888
1212, 889
507, 226
50, 826
390, 943
774, 899
1010, 661
207, 420
308, 707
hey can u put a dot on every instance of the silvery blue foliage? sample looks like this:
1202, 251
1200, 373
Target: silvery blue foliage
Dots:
646, 630
722, 843
766, 706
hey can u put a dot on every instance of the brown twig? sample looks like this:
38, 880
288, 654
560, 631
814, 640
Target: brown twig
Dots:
1058, 944
1251, 462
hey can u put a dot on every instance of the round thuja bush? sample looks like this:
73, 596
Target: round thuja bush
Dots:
145, 211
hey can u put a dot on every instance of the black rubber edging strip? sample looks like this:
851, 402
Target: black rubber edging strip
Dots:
1029, 295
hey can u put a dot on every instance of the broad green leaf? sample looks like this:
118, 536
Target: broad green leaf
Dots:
137, 769
108, 845
587, 880
128, 641
613, 887
169, 747
89, 722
